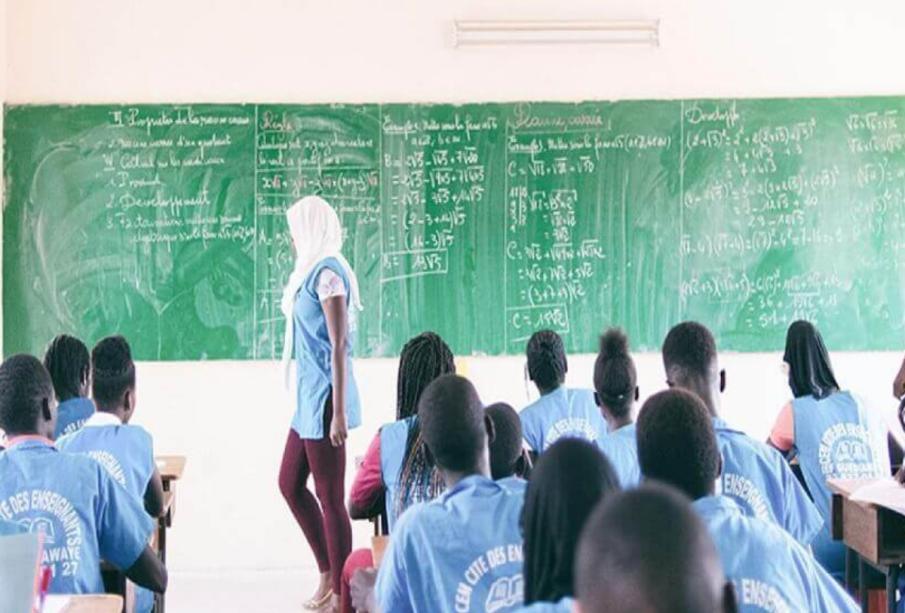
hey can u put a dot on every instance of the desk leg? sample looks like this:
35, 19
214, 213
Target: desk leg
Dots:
863, 590
851, 562
892, 580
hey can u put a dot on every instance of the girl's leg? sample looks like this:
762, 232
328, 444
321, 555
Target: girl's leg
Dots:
294, 473
328, 465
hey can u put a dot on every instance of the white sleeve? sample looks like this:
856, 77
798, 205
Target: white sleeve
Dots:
329, 285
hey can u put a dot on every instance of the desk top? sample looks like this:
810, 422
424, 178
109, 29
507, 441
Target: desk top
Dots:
847, 487
171, 466
89, 604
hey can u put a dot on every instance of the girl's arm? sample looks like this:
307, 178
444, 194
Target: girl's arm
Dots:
367, 495
898, 386
335, 312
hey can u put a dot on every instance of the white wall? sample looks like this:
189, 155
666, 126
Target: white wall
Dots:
230, 418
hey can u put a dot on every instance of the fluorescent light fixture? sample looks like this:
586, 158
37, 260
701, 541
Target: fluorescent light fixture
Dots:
542, 33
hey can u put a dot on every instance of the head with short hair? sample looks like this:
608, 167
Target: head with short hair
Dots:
571, 478
647, 551
69, 365
113, 375
677, 443
547, 362
810, 370
454, 425
507, 456
690, 360
615, 377
27, 399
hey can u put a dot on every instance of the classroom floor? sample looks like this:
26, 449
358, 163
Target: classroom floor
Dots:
240, 592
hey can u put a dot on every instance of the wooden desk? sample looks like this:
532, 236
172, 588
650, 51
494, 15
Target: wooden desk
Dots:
171, 468
874, 534
92, 604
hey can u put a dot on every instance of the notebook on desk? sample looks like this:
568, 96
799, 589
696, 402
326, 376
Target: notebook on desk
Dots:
20, 566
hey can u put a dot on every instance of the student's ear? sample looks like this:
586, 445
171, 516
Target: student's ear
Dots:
523, 465
637, 393
730, 601
47, 412
722, 381
719, 466
129, 401
491, 430
597, 400
84, 382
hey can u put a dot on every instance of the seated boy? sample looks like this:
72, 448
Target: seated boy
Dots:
66, 359
677, 445
461, 552
126, 451
510, 464
85, 515
755, 476
628, 544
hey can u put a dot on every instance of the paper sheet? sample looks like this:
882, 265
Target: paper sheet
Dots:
56, 604
886, 493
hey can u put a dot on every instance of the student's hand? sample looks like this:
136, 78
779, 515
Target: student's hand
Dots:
362, 589
338, 430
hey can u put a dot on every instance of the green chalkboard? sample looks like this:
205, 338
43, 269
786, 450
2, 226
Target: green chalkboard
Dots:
483, 222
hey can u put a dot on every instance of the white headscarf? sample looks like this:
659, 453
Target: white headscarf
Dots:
317, 235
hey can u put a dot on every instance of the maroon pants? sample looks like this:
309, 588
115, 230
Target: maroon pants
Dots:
326, 526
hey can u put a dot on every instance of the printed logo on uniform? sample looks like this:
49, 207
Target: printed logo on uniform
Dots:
846, 453
110, 464
53, 515
742, 490
73, 427
575, 427
505, 590
761, 596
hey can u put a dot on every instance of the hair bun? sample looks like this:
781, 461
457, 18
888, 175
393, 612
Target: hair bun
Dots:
613, 344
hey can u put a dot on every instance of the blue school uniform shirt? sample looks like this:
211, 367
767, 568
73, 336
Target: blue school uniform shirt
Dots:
72, 415
313, 358
514, 484
393, 438
563, 413
759, 479
621, 448
84, 514
770, 570
563, 606
460, 553
837, 438
127, 453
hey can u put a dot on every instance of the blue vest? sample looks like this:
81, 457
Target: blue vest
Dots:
84, 515
71, 415
563, 413
563, 606
770, 570
621, 448
461, 553
313, 359
392, 456
126, 451
759, 479
836, 438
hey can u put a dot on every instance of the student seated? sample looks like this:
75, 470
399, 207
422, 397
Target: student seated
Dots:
571, 478
510, 464
616, 391
754, 475
834, 433
83, 513
397, 470
463, 551
66, 359
677, 445
560, 411
646, 551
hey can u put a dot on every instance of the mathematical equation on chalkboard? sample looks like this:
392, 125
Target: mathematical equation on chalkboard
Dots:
484, 222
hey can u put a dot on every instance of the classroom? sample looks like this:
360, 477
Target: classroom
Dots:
206, 198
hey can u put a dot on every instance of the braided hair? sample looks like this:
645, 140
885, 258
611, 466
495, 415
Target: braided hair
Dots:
423, 359
68, 363
547, 363
615, 378
113, 371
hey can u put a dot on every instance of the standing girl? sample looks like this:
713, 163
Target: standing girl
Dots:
834, 434
316, 303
